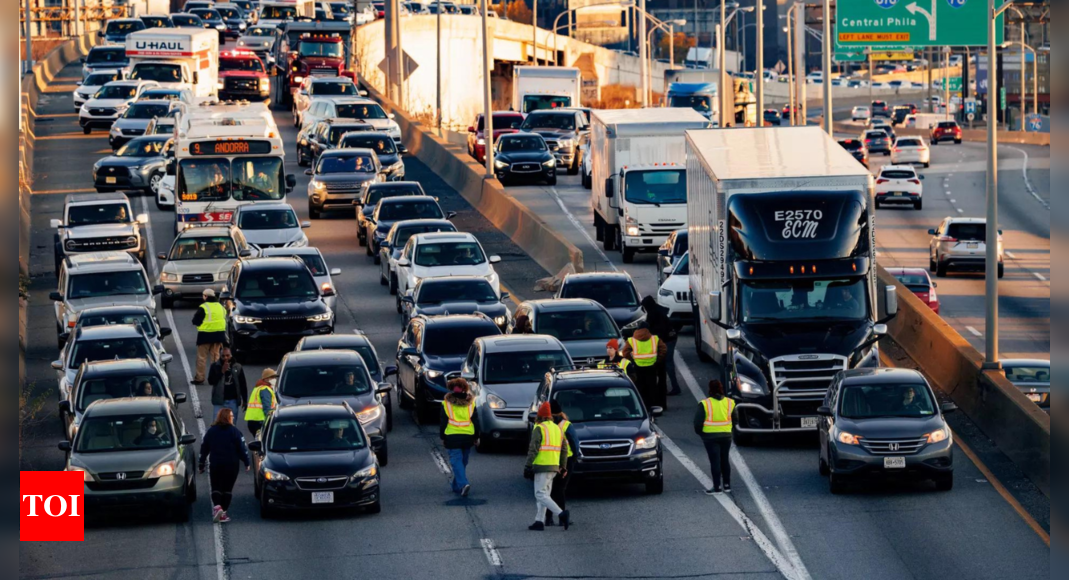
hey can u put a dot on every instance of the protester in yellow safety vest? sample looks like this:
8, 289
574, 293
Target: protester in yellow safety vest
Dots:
612, 349
547, 456
560, 483
262, 402
210, 321
648, 354
459, 431
713, 423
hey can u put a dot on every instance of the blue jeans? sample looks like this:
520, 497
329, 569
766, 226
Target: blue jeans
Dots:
458, 460
234, 406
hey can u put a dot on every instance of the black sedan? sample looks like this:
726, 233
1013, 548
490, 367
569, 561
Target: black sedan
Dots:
399, 209
366, 205
138, 165
313, 457
524, 157
457, 295
857, 148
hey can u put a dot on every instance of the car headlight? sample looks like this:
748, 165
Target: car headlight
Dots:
847, 438
938, 436
566, 144
665, 293
501, 320
115, 130
265, 84
301, 243
247, 320
633, 231
241, 42
379, 235
220, 26
163, 470
369, 415
365, 474
433, 374
272, 475
501, 164
495, 402
634, 325
85, 109
325, 317
750, 387
169, 277
550, 163
242, 26
648, 442
319, 186
86, 476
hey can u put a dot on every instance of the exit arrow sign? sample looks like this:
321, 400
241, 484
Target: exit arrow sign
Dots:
409, 65
903, 23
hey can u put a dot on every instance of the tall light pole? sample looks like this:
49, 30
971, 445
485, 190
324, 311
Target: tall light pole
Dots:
534, 32
642, 51
829, 122
488, 100
799, 64
1023, 42
29, 42
438, 23
760, 9
790, 70
722, 63
668, 26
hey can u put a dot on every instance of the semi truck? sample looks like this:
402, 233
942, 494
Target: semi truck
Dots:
639, 185
311, 49
782, 269
176, 58
545, 87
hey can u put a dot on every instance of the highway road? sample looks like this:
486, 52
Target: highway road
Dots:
781, 523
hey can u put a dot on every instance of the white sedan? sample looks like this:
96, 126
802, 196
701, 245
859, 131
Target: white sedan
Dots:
910, 150
861, 114
899, 184
443, 254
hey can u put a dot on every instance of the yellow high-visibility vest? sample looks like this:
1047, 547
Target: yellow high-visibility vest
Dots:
214, 318
255, 412
564, 426
460, 422
552, 439
644, 352
718, 415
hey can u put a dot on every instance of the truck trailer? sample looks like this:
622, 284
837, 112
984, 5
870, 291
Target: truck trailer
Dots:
782, 269
545, 87
176, 58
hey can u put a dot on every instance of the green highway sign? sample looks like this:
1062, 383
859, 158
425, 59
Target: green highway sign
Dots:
1002, 98
847, 56
901, 23
955, 84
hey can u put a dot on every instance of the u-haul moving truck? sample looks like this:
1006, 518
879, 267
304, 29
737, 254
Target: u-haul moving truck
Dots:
176, 58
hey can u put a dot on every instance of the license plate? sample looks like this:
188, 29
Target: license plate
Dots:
894, 462
323, 498
898, 194
1035, 397
809, 422
973, 246
111, 180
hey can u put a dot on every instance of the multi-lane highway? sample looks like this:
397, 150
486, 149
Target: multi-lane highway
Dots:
781, 522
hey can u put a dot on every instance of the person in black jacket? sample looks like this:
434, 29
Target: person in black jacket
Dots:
225, 446
459, 431
661, 326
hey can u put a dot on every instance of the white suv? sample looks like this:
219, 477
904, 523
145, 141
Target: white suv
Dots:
900, 184
111, 101
443, 254
961, 243
98, 223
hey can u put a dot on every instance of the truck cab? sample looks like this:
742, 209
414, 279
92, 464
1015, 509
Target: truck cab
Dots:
176, 58
702, 97
536, 88
242, 76
311, 49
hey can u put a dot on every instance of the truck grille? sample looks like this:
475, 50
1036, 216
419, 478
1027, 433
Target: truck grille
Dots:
284, 324
103, 112
659, 229
324, 71
251, 85
606, 449
893, 446
805, 377
101, 244
685, 297
197, 278
321, 483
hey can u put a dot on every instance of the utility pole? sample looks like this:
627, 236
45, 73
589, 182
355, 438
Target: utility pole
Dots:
792, 98
642, 53
829, 122
760, 77
721, 41
928, 57
488, 99
1023, 73
991, 282
946, 81
29, 42
799, 57
438, 25
534, 32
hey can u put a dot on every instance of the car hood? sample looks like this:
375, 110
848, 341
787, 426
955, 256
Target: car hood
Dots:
260, 237
357, 402
445, 364
131, 123
597, 431
322, 464
106, 103
891, 428
257, 309
625, 316
116, 161
480, 270
100, 231
388, 160
80, 304
491, 309
193, 266
526, 157
775, 340
516, 395
123, 461
584, 352
347, 178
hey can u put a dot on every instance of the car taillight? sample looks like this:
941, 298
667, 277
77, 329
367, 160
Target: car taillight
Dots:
947, 239
915, 181
879, 181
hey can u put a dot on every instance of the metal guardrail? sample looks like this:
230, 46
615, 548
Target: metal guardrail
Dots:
65, 14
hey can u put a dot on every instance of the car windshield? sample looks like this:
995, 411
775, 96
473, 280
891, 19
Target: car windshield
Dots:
377, 143
324, 381
455, 340
449, 254
519, 144
502, 122
118, 387
124, 26
577, 325
99, 56
405, 234
656, 187
254, 179
142, 148
339, 8
187, 21
522, 367
261, 31
1033, 374
120, 92
346, 164
315, 435
285, 285
124, 433
434, 292
910, 143
111, 349
563, 121
161, 73
594, 404
100, 79
410, 210
213, 248
321, 49
700, 103
145, 111
377, 194
886, 400
314, 263
278, 13
241, 64
968, 232
779, 301
898, 174
206, 14
533, 103
361, 111
875, 135
90, 215
100, 284
90, 320
334, 88
948, 125
163, 128
268, 219
610, 294
229, 13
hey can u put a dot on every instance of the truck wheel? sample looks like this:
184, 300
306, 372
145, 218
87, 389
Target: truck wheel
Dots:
628, 254
941, 271
945, 482
609, 241
655, 487
599, 229
87, 129
918, 205
698, 338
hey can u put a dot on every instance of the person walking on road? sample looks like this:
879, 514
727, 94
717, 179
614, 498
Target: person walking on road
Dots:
647, 353
713, 422
459, 431
229, 387
661, 326
210, 321
560, 483
547, 456
262, 403
225, 446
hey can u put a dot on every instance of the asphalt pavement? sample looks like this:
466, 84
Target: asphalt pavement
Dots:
781, 522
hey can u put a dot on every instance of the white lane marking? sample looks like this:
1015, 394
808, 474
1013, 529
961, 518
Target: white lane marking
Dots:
961, 210
440, 461
1027, 181
579, 226
492, 555
952, 200
725, 501
221, 570
974, 332
741, 467
1041, 277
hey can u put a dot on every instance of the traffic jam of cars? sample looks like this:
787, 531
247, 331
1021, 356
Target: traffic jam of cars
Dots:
203, 144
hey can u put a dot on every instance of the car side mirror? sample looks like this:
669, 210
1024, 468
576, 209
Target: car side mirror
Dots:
409, 351
386, 245
245, 254
55, 224
65, 407
668, 271
291, 181
165, 332
390, 371
408, 299
891, 296
657, 411
495, 259
142, 218
306, 225
384, 389
225, 296
948, 408
450, 215
505, 296
64, 446
57, 365
166, 359
879, 330
733, 335
922, 178
187, 440
931, 232
403, 263
392, 116
158, 289
532, 417
824, 411
55, 297
180, 398
609, 188
329, 292
256, 447
161, 256
335, 272
663, 253
467, 376
309, 172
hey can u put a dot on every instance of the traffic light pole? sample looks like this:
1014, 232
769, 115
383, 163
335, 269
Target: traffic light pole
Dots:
829, 122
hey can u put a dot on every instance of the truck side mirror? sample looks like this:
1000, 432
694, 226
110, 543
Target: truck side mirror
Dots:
891, 296
171, 167
196, 78
609, 188
716, 314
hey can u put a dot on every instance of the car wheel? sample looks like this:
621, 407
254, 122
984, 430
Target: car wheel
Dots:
927, 165
588, 181
957, 141
552, 181
384, 455
485, 446
400, 308
655, 487
425, 413
302, 161
369, 249
825, 471
393, 285
574, 168
836, 485
361, 239
191, 495
377, 259
87, 130
876, 204
389, 415
940, 270
935, 141
382, 280
945, 482
167, 302
154, 184
266, 511
402, 399
931, 265
257, 491
183, 508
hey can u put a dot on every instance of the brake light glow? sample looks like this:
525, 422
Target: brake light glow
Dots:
879, 181
915, 181
947, 239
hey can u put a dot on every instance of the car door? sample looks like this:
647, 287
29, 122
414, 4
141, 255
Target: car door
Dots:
404, 273
59, 305
407, 365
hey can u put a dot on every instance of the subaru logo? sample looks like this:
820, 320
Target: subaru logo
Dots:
321, 480
606, 446
894, 446
120, 476
886, 3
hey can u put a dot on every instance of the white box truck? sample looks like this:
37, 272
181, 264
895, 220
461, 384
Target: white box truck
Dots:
545, 87
782, 269
175, 58
639, 184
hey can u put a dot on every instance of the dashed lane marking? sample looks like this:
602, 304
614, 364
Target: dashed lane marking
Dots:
440, 461
492, 555
974, 332
582, 230
961, 210
1041, 277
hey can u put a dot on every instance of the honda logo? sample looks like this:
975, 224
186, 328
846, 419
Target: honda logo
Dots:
894, 446
120, 476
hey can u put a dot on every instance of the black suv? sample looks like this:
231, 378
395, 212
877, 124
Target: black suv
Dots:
340, 178
273, 303
393, 168
457, 295
315, 457
615, 433
614, 290
376, 192
399, 209
362, 345
857, 148
430, 349
325, 136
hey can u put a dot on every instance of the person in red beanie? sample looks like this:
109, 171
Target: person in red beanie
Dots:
547, 456
612, 349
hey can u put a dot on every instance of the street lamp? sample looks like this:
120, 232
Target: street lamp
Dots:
1035, 77
662, 24
1034, 62
488, 100
556, 22
725, 20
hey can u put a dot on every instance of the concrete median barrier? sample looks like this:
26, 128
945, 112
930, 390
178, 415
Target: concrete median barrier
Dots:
1019, 428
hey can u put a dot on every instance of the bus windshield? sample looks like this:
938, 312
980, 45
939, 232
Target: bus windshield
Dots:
656, 187
245, 179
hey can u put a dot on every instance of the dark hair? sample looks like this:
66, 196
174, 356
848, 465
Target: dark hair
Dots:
455, 384
225, 418
716, 389
557, 410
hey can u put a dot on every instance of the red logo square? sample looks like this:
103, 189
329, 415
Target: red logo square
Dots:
52, 506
